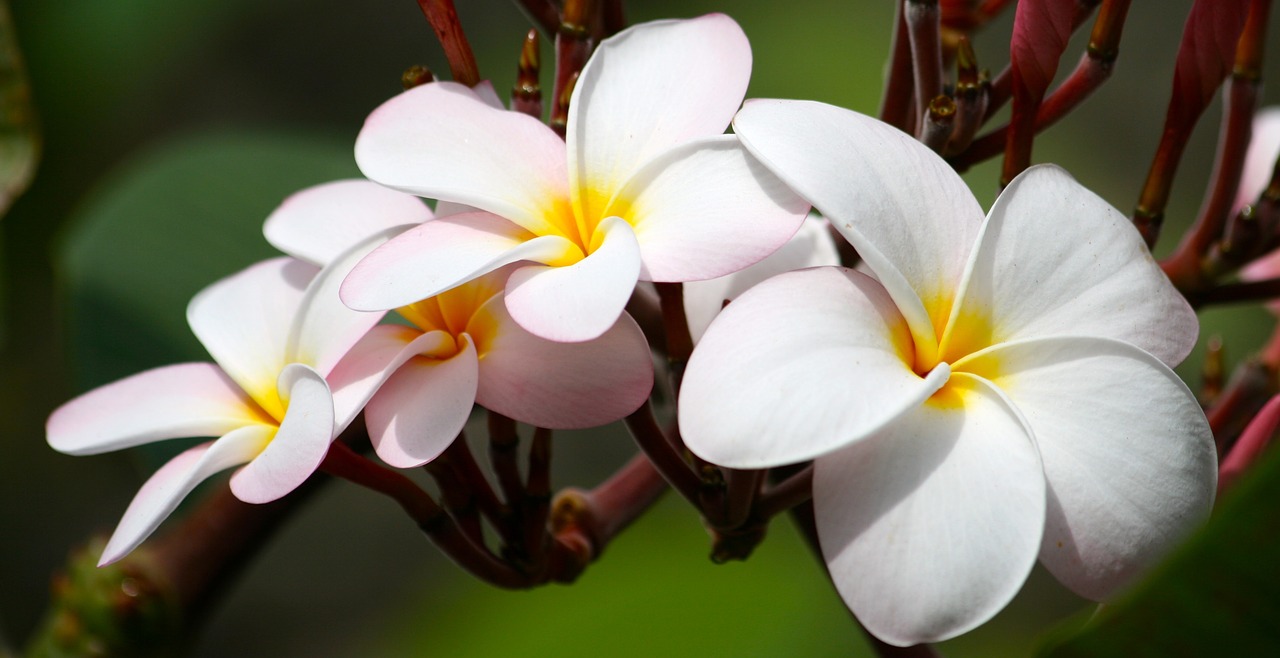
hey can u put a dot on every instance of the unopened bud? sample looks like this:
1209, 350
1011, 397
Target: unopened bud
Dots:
416, 76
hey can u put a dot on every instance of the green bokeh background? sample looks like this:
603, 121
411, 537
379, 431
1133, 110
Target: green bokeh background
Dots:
173, 128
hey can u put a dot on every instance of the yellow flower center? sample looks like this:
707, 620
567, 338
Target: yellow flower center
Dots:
578, 222
969, 332
461, 314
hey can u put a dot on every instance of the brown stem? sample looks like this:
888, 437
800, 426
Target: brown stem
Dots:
895, 104
1188, 267
1094, 68
573, 47
621, 499
786, 494
938, 122
1234, 293
662, 452
614, 18
526, 95
444, 20
742, 489
645, 309
537, 497
503, 442
676, 327
922, 19
1250, 386
543, 14
457, 493
430, 517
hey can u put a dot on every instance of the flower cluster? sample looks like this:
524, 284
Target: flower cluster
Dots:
977, 395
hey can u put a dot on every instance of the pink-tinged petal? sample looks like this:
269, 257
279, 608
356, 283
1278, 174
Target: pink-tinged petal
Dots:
484, 91
244, 322
560, 385
798, 366
647, 89
421, 409
811, 246
300, 444
930, 527
707, 208
324, 328
1055, 259
160, 495
1127, 452
908, 213
319, 223
373, 360
1041, 29
188, 399
442, 253
581, 301
1253, 441
1260, 160
443, 141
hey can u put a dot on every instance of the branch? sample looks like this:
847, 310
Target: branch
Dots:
444, 20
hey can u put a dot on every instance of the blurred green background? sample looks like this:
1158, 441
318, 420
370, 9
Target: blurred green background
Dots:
171, 129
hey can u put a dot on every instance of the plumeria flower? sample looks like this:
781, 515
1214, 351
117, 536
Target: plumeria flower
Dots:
644, 187
274, 331
809, 247
461, 347
1000, 391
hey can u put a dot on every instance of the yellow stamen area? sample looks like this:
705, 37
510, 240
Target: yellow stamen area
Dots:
461, 313
969, 332
578, 221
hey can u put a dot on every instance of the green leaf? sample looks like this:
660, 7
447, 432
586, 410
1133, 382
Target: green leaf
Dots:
1217, 595
19, 140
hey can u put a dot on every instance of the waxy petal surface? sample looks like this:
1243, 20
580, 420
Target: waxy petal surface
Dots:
300, 444
319, 223
798, 366
421, 409
706, 209
563, 385
811, 246
1055, 259
1260, 160
372, 361
647, 89
581, 301
910, 216
244, 322
441, 254
442, 141
1128, 454
930, 527
160, 495
324, 328
188, 399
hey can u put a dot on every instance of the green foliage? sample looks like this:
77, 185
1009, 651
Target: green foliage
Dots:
19, 140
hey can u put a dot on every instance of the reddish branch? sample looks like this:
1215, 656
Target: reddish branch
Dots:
444, 20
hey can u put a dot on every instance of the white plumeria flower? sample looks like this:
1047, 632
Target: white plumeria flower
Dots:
274, 330
811, 246
999, 393
463, 347
645, 187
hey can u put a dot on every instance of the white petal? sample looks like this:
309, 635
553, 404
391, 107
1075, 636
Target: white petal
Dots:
1127, 452
442, 141
560, 385
421, 409
321, 222
909, 215
811, 246
324, 328
647, 89
160, 495
442, 253
1260, 159
244, 322
372, 361
580, 301
1055, 259
705, 209
188, 399
300, 445
798, 366
930, 527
